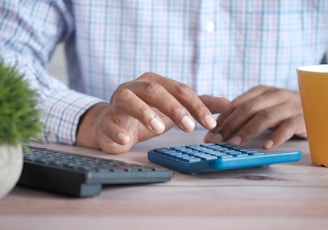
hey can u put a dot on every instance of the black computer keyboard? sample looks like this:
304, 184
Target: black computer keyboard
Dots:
201, 158
80, 175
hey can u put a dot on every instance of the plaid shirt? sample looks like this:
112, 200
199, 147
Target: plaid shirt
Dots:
218, 47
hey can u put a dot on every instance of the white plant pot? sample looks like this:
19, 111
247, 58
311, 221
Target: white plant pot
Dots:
11, 164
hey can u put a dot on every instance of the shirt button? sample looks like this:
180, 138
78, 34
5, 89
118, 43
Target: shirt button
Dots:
209, 26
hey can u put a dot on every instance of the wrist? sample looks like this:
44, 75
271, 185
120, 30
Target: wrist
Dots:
86, 131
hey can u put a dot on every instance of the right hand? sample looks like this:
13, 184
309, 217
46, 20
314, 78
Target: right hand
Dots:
144, 108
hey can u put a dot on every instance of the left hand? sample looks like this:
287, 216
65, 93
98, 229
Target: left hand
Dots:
258, 110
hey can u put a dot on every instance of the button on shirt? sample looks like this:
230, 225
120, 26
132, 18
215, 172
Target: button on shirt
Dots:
220, 48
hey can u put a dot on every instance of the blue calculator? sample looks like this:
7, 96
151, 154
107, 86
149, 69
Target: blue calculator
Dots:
191, 159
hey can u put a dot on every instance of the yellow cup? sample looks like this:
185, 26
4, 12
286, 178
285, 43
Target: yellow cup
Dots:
313, 86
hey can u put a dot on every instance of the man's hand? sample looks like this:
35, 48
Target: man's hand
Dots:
144, 108
258, 110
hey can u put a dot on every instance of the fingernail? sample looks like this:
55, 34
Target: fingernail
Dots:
236, 140
156, 124
210, 122
268, 144
188, 123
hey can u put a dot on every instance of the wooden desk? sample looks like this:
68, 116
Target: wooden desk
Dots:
285, 196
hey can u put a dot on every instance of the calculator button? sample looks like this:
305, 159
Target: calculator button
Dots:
220, 156
204, 156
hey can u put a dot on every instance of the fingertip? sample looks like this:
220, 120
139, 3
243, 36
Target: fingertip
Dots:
188, 123
268, 144
236, 140
208, 138
210, 122
157, 125
213, 137
122, 138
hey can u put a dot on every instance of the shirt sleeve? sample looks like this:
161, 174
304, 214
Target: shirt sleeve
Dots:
29, 33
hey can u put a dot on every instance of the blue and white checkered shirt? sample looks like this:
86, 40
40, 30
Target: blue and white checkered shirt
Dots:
218, 47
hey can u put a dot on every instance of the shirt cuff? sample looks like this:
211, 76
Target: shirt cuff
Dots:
62, 112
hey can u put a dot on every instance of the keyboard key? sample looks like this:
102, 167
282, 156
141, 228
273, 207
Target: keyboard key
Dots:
82, 176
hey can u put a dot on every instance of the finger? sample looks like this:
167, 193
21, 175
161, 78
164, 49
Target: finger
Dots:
252, 93
110, 127
158, 96
150, 93
126, 102
262, 121
187, 97
123, 141
107, 145
236, 119
287, 129
245, 111
215, 104
111, 138
181, 95
168, 125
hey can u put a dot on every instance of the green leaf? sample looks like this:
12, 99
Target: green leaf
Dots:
20, 119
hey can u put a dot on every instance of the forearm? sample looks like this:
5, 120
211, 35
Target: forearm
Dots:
27, 41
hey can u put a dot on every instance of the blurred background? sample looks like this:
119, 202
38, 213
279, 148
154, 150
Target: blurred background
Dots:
57, 66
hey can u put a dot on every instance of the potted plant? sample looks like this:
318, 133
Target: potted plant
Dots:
19, 123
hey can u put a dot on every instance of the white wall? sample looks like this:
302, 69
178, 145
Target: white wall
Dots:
57, 66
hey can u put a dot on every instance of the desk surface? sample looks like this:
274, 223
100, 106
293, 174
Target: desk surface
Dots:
289, 196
